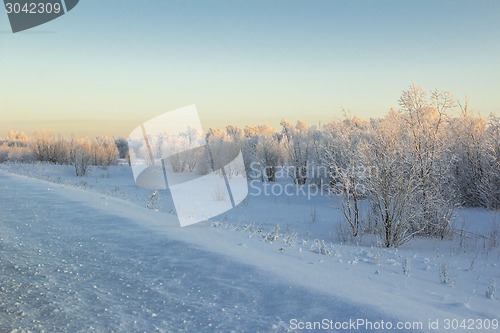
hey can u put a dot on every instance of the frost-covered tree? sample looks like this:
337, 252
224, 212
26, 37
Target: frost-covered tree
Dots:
269, 152
249, 150
17, 138
346, 171
15, 148
47, 147
183, 149
235, 134
222, 151
122, 146
104, 151
81, 155
392, 183
425, 133
318, 173
493, 143
476, 165
298, 145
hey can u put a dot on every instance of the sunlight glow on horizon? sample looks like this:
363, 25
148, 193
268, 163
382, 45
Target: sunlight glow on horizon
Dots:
242, 63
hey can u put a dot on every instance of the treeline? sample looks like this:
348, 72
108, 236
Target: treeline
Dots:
414, 165
44, 146
438, 145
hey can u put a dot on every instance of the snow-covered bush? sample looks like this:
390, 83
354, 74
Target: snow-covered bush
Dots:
406, 265
4, 152
104, 151
445, 276
81, 156
290, 237
81, 152
273, 235
15, 148
18, 154
48, 147
320, 247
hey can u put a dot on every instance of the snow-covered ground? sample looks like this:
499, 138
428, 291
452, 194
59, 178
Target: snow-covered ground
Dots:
86, 255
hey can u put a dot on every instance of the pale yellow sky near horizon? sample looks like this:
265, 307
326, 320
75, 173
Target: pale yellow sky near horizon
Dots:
90, 73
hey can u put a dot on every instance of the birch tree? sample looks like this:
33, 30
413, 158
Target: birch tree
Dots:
392, 183
297, 143
424, 125
346, 171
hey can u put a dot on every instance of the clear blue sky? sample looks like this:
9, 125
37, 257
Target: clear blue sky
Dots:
108, 65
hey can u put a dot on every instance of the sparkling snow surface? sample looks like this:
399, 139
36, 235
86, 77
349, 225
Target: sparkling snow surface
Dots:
85, 255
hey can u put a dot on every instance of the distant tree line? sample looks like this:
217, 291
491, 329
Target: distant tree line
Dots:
44, 146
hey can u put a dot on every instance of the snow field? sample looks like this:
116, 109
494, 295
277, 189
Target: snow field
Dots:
83, 254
